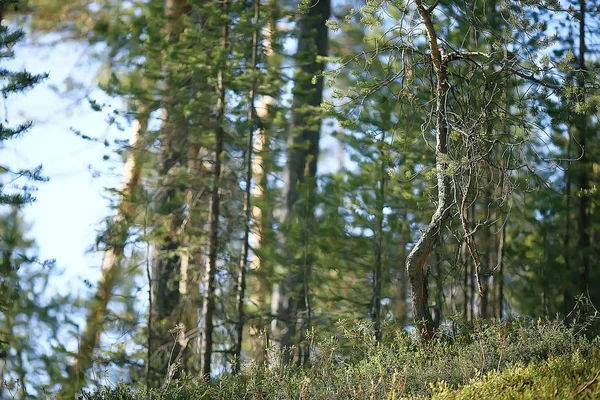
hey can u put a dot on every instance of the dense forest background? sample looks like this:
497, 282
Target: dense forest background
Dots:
288, 168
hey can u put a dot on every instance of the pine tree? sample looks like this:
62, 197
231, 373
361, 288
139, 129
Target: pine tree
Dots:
14, 82
12, 191
290, 298
29, 316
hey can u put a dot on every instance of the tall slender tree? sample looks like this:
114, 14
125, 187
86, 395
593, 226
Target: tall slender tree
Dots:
415, 262
170, 198
27, 321
582, 129
241, 280
289, 294
15, 82
208, 281
116, 239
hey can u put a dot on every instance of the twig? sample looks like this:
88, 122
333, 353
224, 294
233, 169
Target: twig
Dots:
469, 233
587, 385
433, 6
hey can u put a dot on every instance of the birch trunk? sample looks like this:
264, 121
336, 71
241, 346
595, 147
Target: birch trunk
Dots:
261, 270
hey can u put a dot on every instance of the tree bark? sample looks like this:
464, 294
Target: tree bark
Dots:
378, 266
499, 278
262, 269
439, 287
467, 281
167, 317
504, 188
415, 262
567, 293
483, 309
113, 255
241, 280
584, 235
208, 282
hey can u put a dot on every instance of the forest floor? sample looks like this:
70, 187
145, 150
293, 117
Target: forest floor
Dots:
515, 359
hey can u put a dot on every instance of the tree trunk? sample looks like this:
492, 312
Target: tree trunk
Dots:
584, 236
378, 267
499, 278
191, 260
241, 281
169, 238
504, 188
483, 309
305, 130
115, 245
415, 262
567, 293
399, 288
262, 269
208, 282
3, 356
437, 316
467, 281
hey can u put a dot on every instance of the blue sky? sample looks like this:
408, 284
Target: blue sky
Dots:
71, 205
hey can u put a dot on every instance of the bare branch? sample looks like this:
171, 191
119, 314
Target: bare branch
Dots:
432, 38
457, 55
433, 6
531, 78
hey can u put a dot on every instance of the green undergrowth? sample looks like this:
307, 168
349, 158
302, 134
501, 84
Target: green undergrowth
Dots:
563, 377
487, 360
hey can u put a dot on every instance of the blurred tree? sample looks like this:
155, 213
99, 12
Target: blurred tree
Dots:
30, 331
290, 303
12, 191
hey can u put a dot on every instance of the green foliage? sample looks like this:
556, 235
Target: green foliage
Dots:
369, 212
461, 363
23, 278
14, 82
561, 377
121, 392
32, 318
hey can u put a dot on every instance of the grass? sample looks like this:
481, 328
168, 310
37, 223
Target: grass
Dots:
493, 360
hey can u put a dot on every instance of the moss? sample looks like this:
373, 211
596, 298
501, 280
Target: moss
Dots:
562, 377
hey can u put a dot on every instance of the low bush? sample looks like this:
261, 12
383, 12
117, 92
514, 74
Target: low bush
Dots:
562, 377
483, 360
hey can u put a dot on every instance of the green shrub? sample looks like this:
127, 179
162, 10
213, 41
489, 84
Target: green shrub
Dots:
120, 392
562, 377
460, 360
